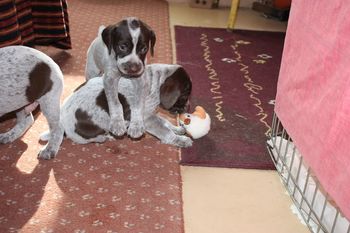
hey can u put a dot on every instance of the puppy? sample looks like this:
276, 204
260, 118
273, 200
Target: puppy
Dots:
120, 51
85, 115
28, 77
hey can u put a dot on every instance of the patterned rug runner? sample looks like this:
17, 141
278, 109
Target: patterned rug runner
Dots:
119, 186
234, 78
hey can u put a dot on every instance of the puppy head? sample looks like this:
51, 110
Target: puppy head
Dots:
129, 40
175, 92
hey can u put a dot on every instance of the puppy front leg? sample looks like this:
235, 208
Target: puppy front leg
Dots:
155, 126
137, 104
136, 126
117, 125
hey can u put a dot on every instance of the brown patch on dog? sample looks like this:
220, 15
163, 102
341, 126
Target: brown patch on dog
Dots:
101, 101
85, 127
39, 82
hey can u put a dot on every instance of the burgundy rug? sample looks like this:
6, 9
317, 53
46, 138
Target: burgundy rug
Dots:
234, 78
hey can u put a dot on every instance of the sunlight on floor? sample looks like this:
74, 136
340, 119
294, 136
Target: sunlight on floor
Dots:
55, 204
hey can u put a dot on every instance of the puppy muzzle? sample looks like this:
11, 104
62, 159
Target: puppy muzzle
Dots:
132, 69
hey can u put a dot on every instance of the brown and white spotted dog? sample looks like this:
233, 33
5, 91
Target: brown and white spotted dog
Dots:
85, 115
28, 77
120, 51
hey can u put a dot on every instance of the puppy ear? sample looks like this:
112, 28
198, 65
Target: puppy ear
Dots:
152, 37
175, 91
152, 41
169, 94
107, 36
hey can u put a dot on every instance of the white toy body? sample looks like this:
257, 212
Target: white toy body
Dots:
196, 124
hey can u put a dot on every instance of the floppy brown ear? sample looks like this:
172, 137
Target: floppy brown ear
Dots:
152, 37
107, 36
152, 41
169, 94
175, 91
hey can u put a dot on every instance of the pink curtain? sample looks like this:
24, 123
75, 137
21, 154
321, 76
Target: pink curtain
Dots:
313, 97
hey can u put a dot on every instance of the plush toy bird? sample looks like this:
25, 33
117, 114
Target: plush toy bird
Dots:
196, 124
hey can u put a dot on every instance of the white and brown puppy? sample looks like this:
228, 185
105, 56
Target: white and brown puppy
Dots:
85, 115
29, 77
120, 51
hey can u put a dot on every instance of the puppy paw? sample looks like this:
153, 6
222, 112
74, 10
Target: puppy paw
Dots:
136, 129
47, 153
101, 138
179, 130
182, 141
117, 127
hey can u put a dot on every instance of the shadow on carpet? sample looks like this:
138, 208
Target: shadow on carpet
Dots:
234, 78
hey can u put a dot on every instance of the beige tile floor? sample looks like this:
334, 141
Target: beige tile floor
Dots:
219, 200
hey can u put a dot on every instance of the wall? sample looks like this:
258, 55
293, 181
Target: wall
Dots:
225, 3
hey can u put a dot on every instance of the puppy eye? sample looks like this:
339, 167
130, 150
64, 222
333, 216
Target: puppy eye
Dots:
123, 47
144, 49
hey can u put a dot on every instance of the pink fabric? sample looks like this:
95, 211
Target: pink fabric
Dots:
313, 93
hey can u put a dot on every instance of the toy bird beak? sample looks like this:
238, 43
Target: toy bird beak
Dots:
187, 121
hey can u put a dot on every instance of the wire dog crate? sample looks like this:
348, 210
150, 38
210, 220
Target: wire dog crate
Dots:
312, 203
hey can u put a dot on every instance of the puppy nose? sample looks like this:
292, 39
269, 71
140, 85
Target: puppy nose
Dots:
133, 67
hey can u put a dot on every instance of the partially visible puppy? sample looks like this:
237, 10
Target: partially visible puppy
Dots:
85, 114
28, 77
120, 51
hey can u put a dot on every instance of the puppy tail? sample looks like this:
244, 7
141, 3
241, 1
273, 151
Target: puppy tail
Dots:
45, 136
100, 29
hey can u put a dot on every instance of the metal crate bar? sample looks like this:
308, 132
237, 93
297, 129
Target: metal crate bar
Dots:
303, 188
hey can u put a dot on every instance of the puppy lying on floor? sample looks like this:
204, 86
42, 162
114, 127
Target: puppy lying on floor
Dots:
85, 114
28, 77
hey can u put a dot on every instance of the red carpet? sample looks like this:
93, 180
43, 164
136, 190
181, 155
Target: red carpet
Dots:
234, 78
120, 186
